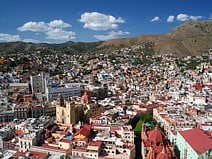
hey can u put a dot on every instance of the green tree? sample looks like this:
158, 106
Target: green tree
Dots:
65, 157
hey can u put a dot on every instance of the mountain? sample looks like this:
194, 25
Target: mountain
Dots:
190, 38
68, 47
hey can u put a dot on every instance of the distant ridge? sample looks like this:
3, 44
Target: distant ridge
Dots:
67, 47
190, 38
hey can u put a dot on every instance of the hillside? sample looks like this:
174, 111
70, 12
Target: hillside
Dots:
68, 47
190, 38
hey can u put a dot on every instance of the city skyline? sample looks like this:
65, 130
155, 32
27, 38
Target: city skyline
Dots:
87, 21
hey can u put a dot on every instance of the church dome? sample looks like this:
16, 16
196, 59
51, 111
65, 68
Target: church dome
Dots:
155, 135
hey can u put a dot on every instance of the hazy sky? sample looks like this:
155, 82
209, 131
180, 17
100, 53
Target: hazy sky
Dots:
56, 21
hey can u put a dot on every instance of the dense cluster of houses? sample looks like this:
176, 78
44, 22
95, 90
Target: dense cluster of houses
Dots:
83, 107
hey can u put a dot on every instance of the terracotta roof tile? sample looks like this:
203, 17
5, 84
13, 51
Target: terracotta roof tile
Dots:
155, 135
198, 140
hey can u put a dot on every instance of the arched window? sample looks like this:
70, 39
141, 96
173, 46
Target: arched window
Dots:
63, 114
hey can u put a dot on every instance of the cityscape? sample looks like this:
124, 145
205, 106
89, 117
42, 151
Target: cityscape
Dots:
113, 95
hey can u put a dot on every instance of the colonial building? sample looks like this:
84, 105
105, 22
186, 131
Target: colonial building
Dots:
74, 110
154, 145
194, 143
38, 83
42, 110
67, 112
33, 110
6, 116
49, 111
91, 108
22, 111
67, 90
37, 111
26, 142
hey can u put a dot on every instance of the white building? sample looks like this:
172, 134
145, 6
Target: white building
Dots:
68, 90
194, 144
38, 84
27, 141
7, 132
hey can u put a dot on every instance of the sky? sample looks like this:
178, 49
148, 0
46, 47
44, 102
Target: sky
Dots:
58, 21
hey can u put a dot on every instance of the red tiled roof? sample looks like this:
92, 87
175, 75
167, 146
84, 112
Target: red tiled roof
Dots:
155, 136
174, 132
85, 131
28, 95
66, 141
19, 132
96, 124
37, 106
113, 129
197, 139
95, 143
209, 85
21, 106
198, 86
162, 155
51, 147
151, 106
32, 154
147, 143
160, 148
40, 155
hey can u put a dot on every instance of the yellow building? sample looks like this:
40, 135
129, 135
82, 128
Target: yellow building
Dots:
74, 110
67, 112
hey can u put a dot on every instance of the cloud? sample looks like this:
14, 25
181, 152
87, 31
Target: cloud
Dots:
59, 34
53, 30
170, 19
13, 38
111, 35
210, 17
9, 38
186, 17
34, 26
58, 24
31, 40
182, 17
155, 19
42, 26
195, 17
99, 21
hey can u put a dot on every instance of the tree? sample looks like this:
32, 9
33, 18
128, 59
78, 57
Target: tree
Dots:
65, 157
